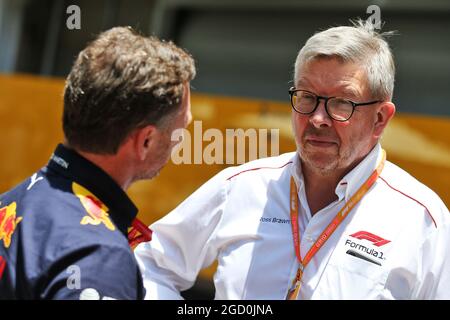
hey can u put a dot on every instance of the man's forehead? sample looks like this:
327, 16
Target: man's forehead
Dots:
350, 82
345, 87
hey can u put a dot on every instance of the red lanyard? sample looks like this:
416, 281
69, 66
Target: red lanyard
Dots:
340, 216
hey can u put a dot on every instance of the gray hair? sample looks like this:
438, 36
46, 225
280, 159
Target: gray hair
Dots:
359, 43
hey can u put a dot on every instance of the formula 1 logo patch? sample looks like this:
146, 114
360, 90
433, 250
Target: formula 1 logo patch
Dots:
97, 211
8, 223
376, 240
365, 245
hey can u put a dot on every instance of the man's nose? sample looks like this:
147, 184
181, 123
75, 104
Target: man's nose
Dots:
320, 118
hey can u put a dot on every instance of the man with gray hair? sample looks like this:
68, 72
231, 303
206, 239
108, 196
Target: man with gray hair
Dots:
334, 220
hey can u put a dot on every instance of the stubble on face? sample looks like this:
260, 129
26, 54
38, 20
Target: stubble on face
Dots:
320, 161
162, 152
328, 161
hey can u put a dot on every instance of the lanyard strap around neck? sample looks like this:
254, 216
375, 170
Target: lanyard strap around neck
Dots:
340, 216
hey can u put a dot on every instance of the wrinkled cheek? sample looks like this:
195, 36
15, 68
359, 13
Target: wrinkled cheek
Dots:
350, 149
298, 124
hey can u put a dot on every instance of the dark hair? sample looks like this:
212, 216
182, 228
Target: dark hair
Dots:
122, 81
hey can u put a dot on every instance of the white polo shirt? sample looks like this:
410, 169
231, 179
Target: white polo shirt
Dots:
394, 244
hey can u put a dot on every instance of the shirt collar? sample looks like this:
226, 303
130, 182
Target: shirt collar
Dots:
70, 164
297, 174
350, 183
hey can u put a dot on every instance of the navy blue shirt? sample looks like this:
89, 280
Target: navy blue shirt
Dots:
63, 235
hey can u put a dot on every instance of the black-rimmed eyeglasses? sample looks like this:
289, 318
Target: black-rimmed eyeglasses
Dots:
339, 109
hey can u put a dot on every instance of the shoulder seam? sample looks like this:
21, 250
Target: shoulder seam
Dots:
410, 197
258, 168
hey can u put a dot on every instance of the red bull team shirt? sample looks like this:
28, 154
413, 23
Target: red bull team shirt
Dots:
63, 235
394, 243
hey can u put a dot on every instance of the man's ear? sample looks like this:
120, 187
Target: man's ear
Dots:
384, 114
144, 138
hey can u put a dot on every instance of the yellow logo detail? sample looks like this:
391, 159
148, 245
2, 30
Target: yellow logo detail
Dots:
8, 223
97, 211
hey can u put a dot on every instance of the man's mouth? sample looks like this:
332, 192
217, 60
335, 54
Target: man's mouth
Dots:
321, 142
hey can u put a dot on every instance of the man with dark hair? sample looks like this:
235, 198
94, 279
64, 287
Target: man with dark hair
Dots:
63, 232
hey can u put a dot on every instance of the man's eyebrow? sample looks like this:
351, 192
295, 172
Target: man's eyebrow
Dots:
347, 92
302, 82
350, 92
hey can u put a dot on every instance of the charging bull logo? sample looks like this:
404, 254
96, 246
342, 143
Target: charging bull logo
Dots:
8, 223
97, 211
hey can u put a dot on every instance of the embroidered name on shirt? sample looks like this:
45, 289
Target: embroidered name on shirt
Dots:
275, 220
63, 163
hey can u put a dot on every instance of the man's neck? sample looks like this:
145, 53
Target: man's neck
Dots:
112, 165
319, 188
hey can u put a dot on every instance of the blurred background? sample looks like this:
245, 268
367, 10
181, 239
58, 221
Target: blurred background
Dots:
244, 52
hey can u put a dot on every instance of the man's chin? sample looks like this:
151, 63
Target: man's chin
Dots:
148, 175
153, 175
320, 163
